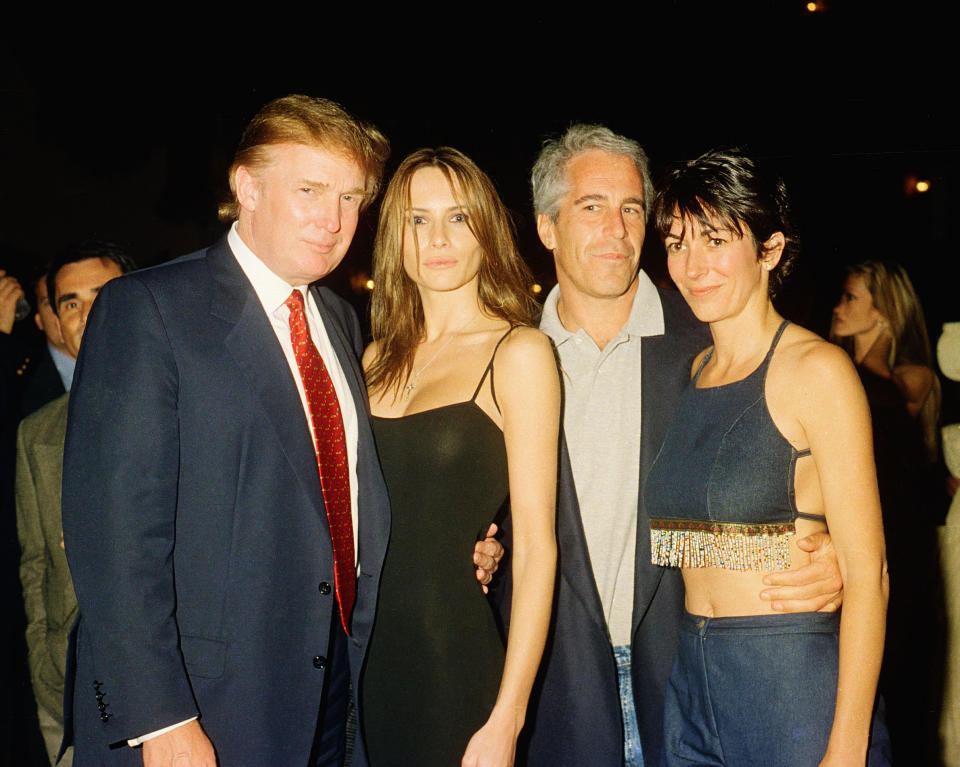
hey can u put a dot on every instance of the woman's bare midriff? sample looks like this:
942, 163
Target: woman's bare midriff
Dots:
717, 593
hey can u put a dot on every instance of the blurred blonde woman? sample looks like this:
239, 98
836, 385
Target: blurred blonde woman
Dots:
465, 399
879, 321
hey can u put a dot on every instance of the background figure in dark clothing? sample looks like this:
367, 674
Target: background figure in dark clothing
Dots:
51, 373
18, 727
879, 320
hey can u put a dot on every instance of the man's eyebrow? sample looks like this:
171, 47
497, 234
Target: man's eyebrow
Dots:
66, 297
634, 201
321, 185
588, 197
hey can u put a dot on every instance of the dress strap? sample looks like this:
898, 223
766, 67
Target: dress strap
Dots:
703, 362
776, 338
488, 370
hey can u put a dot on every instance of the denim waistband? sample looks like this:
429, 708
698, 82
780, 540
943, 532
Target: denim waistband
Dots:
776, 623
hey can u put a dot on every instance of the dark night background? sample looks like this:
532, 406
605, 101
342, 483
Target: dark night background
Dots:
131, 141
125, 133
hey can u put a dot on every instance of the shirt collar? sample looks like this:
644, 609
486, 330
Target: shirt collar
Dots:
64, 364
272, 290
646, 314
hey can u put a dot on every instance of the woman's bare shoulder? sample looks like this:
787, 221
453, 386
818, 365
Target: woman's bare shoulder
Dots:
525, 347
809, 364
370, 354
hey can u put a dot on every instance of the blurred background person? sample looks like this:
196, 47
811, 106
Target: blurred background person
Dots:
948, 357
465, 397
879, 321
75, 279
51, 373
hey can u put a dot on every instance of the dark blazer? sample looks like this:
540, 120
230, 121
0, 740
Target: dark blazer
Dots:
574, 717
194, 520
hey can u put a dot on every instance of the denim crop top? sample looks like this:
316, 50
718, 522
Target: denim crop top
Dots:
720, 492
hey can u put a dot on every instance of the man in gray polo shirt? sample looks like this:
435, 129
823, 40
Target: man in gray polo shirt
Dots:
625, 349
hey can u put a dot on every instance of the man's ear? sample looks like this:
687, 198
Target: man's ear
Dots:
547, 231
772, 250
247, 187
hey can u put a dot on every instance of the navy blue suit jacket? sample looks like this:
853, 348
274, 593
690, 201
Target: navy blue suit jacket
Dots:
194, 520
574, 717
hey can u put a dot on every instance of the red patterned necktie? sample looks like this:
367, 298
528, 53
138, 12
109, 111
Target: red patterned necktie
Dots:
331, 445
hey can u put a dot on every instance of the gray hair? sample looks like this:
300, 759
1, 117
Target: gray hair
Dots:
549, 178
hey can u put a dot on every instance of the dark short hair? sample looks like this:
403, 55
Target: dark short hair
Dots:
728, 185
83, 251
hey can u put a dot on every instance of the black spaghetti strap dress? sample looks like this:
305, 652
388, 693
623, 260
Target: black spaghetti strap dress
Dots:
436, 655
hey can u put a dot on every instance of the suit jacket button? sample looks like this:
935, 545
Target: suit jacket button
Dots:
104, 717
319, 662
102, 706
324, 588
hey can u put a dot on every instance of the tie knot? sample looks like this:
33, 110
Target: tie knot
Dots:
295, 301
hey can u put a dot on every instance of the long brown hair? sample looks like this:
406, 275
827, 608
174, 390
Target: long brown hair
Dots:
396, 313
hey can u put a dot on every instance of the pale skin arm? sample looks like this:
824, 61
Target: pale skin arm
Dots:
488, 552
528, 389
832, 410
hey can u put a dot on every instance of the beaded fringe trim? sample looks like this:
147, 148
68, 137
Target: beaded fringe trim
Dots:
732, 546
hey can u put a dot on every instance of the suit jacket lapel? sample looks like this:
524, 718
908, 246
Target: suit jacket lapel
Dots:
575, 567
655, 367
253, 344
346, 354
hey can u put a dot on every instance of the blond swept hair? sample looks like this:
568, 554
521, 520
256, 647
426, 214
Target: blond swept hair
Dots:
894, 296
504, 281
298, 119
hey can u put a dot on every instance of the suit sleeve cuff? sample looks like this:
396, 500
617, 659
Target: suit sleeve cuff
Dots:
155, 733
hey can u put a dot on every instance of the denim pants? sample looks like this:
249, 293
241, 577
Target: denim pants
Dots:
753, 690
632, 753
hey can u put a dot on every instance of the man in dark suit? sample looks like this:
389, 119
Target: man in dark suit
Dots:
625, 348
224, 515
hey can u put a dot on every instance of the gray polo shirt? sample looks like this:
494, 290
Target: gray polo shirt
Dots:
601, 422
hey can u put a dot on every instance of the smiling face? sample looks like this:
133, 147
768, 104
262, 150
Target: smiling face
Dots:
855, 312
597, 237
716, 269
440, 252
299, 211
